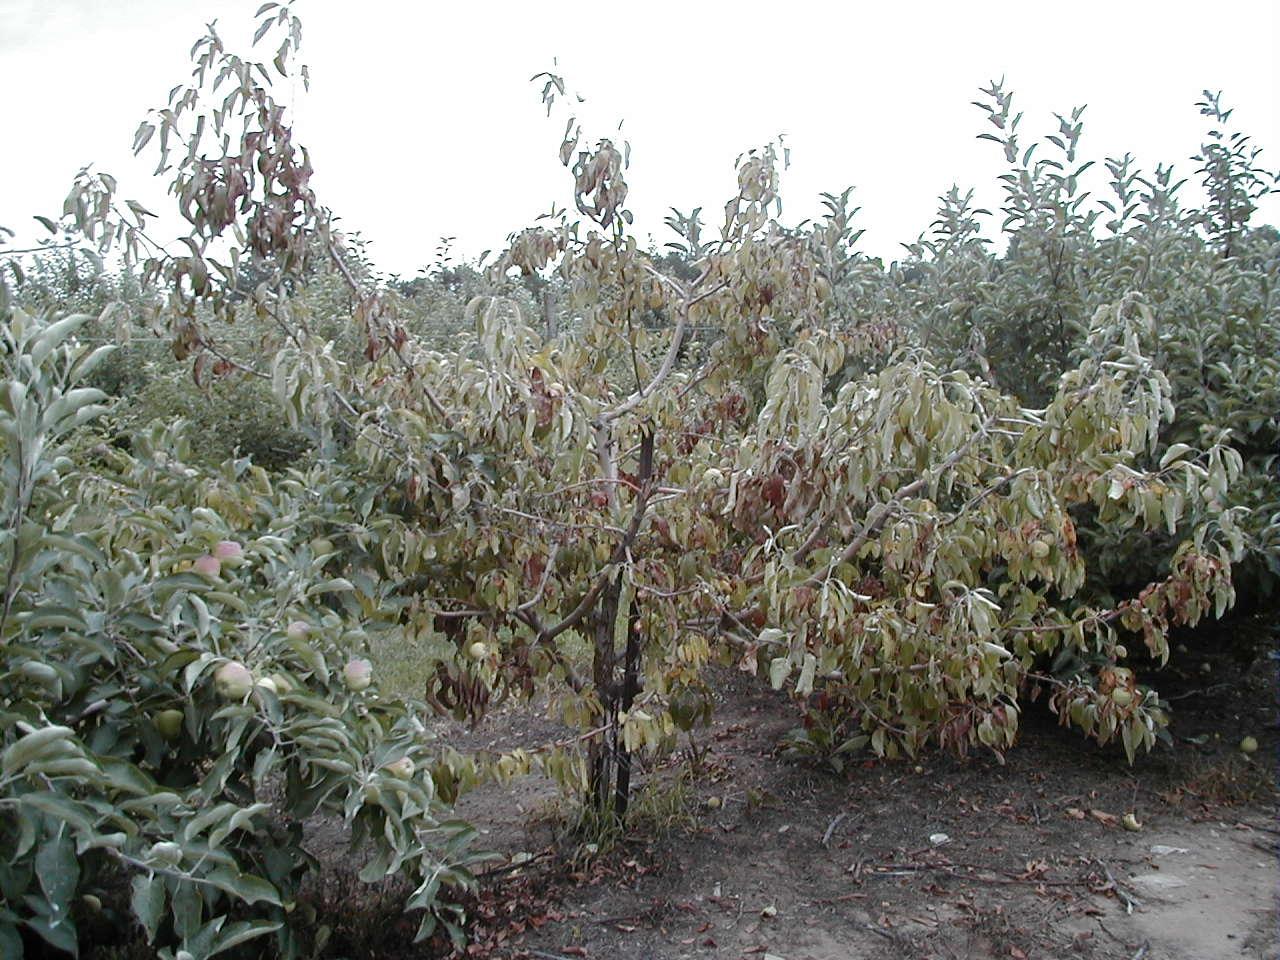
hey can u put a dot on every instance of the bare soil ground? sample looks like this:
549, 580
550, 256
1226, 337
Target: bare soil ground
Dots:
760, 858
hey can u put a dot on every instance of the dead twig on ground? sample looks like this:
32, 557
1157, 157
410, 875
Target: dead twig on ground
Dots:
831, 828
509, 867
647, 914
1114, 884
881, 931
1202, 692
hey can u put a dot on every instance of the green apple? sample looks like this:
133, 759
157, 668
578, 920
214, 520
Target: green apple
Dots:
233, 680
1248, 745
477, 651
401, 769
297, 630
357, 674
166, 852
283, 684
169, 723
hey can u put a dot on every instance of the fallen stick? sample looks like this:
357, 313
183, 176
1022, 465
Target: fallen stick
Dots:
831, 828
1129, 902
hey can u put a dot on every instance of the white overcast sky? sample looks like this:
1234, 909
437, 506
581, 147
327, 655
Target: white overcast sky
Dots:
422, 122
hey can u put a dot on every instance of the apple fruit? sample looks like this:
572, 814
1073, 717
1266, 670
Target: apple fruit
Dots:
401, 769
233, 681
208, 564
169, 723
477, 651
1248, 745
283, 684
357, 674
297, 630
1122, 696
166, 852
322, 546
228, 552
1039, 549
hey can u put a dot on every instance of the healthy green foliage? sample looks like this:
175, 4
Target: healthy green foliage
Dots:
136, 590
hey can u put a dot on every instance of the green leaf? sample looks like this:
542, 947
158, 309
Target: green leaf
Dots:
54, 334
44, 743
58, 871
55, 618
244, 886
10, 941
61, 935
242, 932
336, 585
147, 901
877, 741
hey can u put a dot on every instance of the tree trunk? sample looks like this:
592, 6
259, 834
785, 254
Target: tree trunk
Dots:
603, 748
630, 687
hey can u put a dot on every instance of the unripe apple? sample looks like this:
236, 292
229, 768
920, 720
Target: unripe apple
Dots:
169, 723
92, 903
1122, 696
712, 478
1248, 745
233, 681
228, 552
322, 546
1121, 650
283, 684
297, 630
401, 769
357, 674
41, 673
1039, 549
209, 565
477, 651
166, 852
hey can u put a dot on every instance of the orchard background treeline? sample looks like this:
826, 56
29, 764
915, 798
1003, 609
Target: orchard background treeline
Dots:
266, 511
